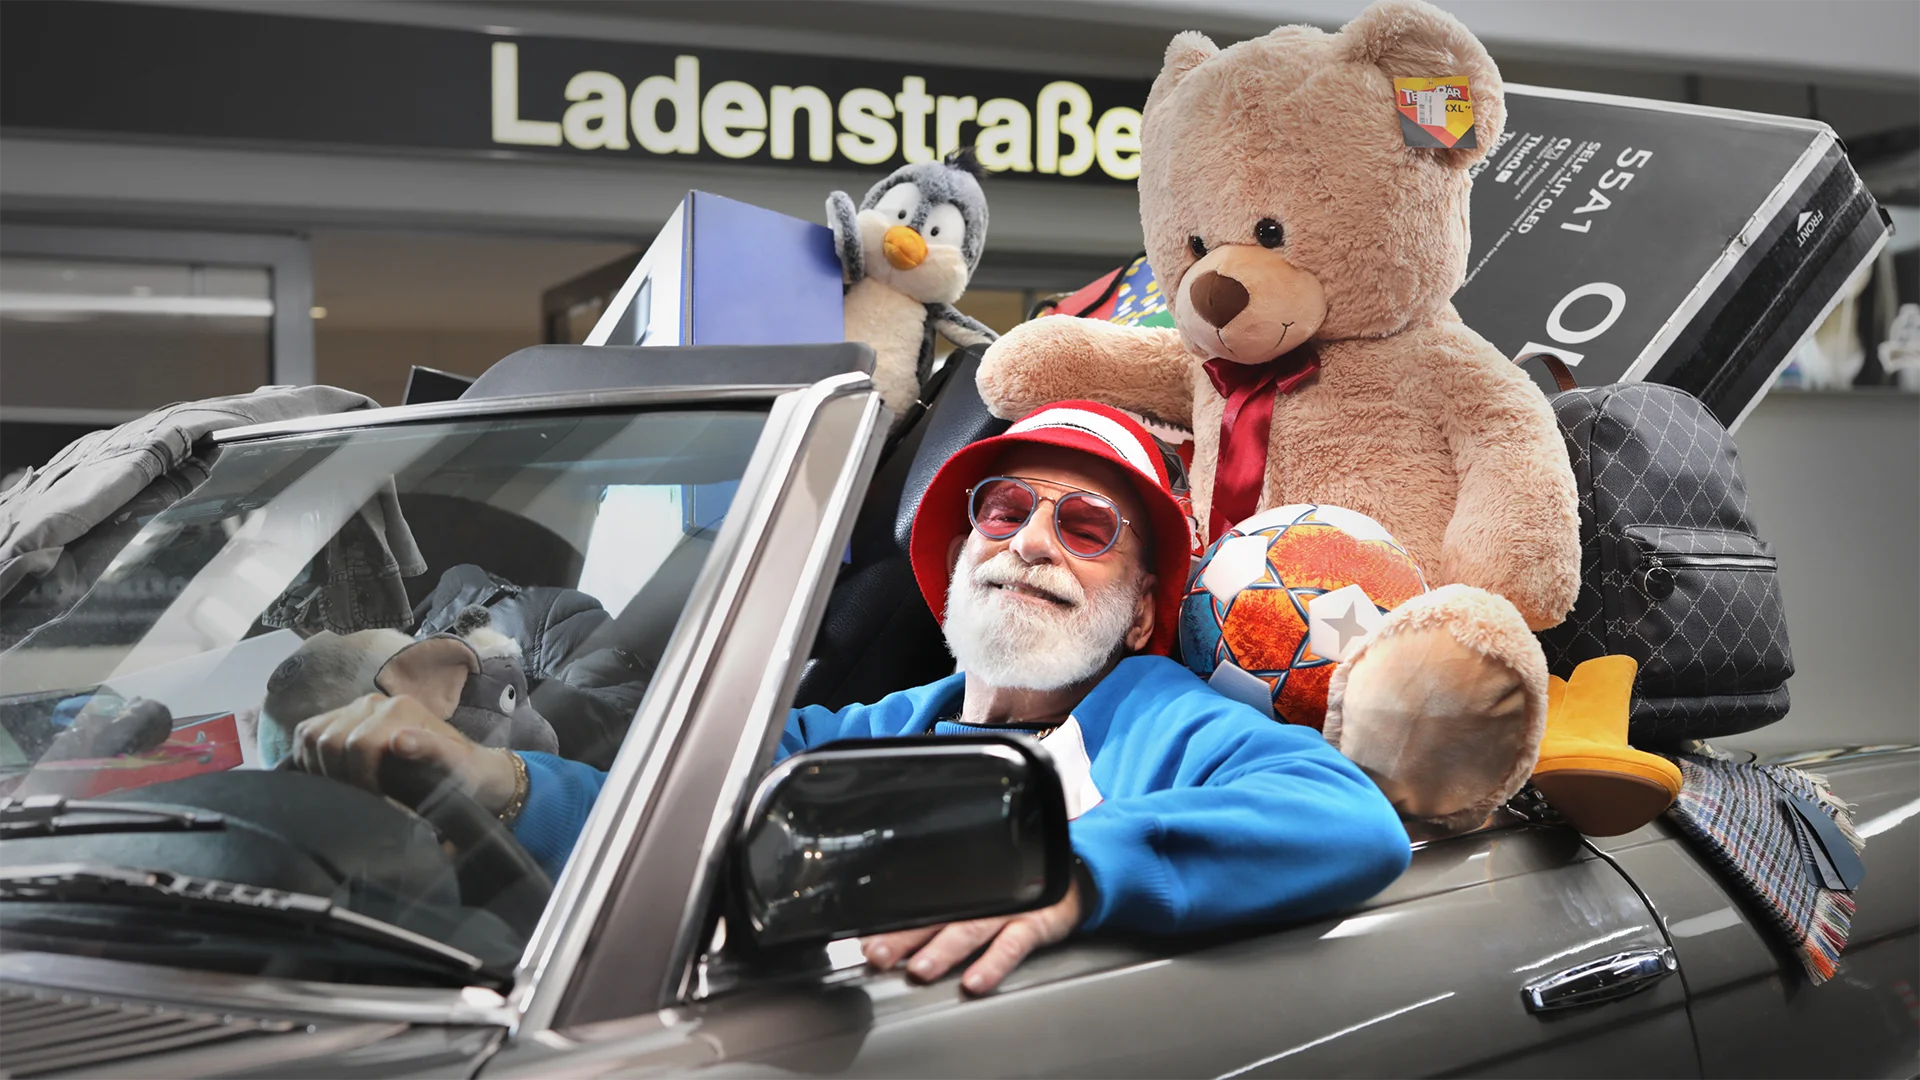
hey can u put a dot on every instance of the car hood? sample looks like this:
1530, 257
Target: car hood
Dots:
168, 1022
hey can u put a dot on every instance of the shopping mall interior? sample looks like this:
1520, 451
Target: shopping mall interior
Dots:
377, 211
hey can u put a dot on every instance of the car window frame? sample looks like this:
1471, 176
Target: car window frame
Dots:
648, 846
787, 403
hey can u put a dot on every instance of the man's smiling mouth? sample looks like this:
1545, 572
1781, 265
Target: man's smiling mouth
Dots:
1029, 591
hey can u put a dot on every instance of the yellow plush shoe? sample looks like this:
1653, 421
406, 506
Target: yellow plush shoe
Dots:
1586, 769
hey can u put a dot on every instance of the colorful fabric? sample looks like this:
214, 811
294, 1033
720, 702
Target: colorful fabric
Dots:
1138, 301
1094, 300
1739, 814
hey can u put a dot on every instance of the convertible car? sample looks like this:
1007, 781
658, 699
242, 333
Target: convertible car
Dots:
729, 527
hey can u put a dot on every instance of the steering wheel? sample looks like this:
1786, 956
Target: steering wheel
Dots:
494, 871
329, 823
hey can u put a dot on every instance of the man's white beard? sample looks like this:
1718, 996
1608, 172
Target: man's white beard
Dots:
1013, 642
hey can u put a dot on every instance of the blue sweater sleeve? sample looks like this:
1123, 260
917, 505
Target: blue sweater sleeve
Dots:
905, 712
1220, 816
560, 794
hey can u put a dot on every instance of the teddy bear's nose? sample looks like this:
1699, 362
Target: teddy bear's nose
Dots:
1217, 298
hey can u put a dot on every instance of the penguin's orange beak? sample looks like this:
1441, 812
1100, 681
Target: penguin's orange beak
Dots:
903, 248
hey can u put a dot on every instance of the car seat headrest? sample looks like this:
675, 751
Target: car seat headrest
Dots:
957, 417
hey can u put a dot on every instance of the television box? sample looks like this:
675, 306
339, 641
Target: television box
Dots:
722, 272
1678, 244
1639, 240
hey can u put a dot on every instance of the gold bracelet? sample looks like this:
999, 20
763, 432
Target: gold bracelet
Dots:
521, 786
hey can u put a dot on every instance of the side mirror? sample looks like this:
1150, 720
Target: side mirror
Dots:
871, 835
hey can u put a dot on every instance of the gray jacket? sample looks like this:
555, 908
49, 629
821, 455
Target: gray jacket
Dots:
100, 472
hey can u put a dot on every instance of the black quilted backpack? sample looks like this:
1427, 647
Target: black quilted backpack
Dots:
1671, 572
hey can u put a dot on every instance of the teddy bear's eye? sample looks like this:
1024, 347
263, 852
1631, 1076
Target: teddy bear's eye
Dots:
1269, 232
508, 699
1197, 246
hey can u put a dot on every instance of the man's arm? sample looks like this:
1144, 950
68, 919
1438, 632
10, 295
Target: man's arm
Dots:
1250, 821
348, 743
1214, 816
560, 793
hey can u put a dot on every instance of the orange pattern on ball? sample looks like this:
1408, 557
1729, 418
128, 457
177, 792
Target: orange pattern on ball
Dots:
1316, 556
1303, 700
1263, 629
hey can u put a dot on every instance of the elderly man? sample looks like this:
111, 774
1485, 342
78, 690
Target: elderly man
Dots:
1056, 558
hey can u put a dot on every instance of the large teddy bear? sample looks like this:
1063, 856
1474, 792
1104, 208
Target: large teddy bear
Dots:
1308, 255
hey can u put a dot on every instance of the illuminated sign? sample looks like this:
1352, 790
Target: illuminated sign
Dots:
149, 70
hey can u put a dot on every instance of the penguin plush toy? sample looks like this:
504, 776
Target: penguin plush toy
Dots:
907, 255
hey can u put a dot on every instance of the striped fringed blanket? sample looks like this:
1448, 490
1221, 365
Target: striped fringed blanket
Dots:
1738, 812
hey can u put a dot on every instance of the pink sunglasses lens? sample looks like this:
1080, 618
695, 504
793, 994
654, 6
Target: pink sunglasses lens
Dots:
1087, 524
1000, 507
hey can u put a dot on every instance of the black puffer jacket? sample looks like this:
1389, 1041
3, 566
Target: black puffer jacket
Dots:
584, 683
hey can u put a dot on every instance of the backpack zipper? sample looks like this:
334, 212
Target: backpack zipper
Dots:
1715, 562
1656, 579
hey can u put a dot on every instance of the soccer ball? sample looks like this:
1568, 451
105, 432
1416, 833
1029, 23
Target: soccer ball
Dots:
1283, 597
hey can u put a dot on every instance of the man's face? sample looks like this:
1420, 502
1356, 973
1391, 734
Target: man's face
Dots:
1023, 613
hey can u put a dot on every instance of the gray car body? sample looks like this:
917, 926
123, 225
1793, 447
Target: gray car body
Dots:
1425, 979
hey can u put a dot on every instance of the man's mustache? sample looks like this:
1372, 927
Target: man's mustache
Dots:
1005, 569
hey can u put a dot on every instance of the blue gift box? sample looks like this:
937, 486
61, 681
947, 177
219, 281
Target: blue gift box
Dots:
722, 272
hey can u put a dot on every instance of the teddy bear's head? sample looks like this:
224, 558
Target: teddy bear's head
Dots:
1278, 197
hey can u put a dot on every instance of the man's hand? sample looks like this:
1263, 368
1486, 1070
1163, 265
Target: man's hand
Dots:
936, 949
349, 743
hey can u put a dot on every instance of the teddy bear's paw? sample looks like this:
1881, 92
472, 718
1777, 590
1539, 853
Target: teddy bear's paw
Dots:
1443, 707
1032, 365
1144, 370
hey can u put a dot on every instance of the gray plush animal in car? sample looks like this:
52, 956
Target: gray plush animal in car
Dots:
471, 676
907, 255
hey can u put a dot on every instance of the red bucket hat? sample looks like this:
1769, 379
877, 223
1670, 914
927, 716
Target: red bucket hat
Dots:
1087, 426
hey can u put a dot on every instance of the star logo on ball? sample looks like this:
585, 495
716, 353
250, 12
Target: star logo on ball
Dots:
1347, 626
1337, 620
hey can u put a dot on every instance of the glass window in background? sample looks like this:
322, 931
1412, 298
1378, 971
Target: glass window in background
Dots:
130, 336
88, 344
1870, 340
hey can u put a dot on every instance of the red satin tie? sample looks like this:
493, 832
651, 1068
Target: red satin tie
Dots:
1245, 427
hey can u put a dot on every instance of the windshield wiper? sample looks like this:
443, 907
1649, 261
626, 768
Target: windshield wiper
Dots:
45, 815
97, 883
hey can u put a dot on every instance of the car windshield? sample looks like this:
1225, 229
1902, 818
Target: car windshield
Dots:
560, 549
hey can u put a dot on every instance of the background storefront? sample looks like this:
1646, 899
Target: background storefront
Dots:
196, 198
453, 170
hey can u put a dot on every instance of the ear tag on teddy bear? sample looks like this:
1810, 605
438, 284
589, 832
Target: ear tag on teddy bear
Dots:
1436, 113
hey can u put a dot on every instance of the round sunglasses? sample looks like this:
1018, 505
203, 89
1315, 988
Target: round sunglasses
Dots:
1087, 525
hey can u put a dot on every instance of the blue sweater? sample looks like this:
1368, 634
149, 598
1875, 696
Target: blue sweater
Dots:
1210, 814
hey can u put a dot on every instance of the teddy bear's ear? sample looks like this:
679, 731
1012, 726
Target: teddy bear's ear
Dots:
1412, 38
1188, 50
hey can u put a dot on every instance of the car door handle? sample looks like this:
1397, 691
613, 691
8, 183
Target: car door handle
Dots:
1609, 978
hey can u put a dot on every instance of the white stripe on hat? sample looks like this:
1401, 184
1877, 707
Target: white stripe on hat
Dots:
1105, 428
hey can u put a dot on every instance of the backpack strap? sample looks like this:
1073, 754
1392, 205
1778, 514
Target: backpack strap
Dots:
1562, 375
